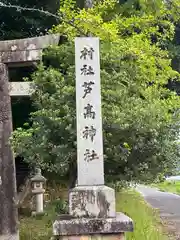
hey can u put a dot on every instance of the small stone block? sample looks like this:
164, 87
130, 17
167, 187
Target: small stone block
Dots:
119, 236
86, 226
10, 236
92, 201
35, 214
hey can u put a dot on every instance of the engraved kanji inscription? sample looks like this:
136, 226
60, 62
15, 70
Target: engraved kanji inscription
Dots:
88, 113
87, 88
89, 132
90, 155
87, 70
87, 52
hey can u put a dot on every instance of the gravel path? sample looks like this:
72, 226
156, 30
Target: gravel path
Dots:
168, 205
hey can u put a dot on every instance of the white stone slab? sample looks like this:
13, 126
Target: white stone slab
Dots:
20, 88
10, 236
92, 201
89, 126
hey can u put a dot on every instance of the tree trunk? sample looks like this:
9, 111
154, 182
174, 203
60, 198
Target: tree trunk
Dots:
72, 173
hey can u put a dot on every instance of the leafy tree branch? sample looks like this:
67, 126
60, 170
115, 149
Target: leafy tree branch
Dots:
41, 11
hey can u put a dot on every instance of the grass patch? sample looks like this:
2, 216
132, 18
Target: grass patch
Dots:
146, 222
169, 186
39, 227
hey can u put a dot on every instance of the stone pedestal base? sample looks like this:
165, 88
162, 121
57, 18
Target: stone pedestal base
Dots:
119, 236
92, 216
69, 227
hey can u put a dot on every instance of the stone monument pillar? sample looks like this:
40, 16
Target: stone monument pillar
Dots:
92, 210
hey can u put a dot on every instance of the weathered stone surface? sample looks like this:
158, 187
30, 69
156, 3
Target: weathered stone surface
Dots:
21, 56
26, 50
20, 88
8, 210
92, 201
10, 237
81, 226
119, 236
29, 43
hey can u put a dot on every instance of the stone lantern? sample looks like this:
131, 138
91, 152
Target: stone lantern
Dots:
38, 190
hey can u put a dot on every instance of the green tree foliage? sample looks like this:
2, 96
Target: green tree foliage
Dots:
20, 24
27, 22
140, 114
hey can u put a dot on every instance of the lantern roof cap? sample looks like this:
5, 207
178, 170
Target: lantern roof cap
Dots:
38, 176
